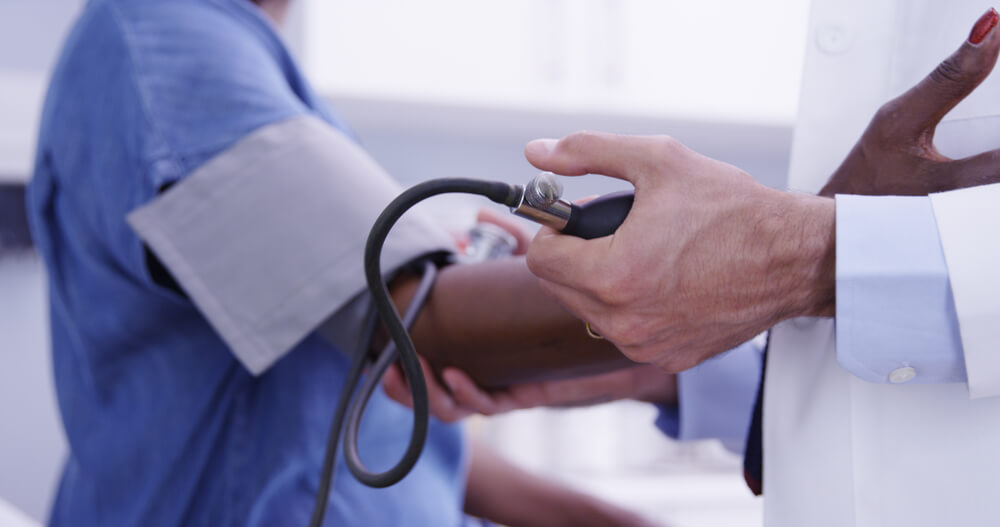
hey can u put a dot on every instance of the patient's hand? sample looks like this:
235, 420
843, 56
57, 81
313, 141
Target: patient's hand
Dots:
896, 153
463, 397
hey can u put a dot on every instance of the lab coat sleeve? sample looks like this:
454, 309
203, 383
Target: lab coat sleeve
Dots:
894, 301
267, 237
968, 224
716, 398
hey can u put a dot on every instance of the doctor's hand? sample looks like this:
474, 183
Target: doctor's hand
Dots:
461, 396
896, 153
706, 259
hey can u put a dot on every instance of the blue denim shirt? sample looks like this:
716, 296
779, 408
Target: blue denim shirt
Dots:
165, 426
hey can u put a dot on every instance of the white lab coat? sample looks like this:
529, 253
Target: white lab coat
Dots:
840, 451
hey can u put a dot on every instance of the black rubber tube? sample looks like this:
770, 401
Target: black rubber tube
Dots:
496, 191
330, 456
352, 454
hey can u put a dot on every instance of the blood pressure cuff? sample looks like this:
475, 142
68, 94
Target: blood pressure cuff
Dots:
267, 238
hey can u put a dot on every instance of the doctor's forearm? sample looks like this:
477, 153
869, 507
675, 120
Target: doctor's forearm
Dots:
492, 321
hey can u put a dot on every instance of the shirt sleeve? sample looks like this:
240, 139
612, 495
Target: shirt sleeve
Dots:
267, 237
716, 398
896, 319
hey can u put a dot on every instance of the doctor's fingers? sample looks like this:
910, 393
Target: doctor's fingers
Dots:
980, 169
570, 261
645, 338
631, 158
581, 305
625, 325
916, 112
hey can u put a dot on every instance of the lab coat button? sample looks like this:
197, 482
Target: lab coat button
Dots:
901, 375
833, 39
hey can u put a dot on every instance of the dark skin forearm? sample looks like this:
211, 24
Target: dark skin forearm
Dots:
503, 493
492, 321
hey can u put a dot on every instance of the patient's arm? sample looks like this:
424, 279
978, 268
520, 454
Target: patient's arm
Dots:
492, 321
505, 494
460, 396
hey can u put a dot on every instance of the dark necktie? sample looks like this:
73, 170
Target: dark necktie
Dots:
753, 458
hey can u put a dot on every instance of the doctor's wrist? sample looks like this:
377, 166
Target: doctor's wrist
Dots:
804, 257
798, 233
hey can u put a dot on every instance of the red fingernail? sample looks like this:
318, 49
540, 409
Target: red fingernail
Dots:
983, 27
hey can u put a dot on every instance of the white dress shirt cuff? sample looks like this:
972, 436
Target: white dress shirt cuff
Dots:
896, 319
716, 398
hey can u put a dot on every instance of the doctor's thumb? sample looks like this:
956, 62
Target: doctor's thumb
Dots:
617, 156
921, 108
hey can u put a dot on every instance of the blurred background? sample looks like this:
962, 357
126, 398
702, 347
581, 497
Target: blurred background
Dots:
438, 88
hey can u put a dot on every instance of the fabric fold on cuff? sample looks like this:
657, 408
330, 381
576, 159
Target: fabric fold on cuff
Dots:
967, 224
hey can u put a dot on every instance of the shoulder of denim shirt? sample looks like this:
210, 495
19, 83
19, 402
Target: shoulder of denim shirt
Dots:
206, 73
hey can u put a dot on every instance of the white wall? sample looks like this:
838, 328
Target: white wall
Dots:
32, 445
716, 59
420, 141
31, 32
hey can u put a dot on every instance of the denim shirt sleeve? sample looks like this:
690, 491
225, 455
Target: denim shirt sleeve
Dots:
896, 319
202, 145
716, 398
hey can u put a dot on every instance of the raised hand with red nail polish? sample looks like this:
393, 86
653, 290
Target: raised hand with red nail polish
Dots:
896, 154
984, 26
